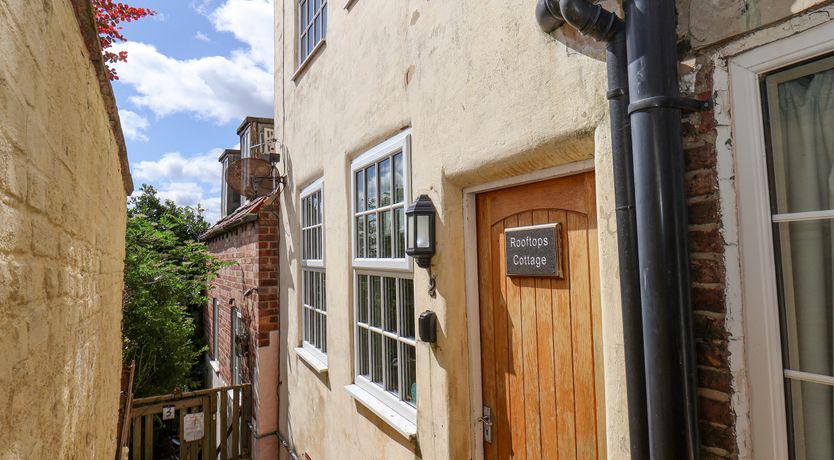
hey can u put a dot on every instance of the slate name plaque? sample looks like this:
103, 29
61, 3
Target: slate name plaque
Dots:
534, 251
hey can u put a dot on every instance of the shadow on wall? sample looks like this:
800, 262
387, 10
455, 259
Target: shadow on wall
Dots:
388, 430
286, 284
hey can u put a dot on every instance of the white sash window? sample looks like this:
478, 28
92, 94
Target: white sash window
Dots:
313, 279
385, 344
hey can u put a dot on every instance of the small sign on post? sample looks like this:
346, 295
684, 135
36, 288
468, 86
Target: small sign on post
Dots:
192, 429
534, 251
168, 413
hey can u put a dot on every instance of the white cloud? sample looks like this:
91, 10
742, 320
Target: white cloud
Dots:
212, 207
182, 193
202, 6
216, 88
201, 37
134, 125
241, 19
191, 194
187, 181
174, 167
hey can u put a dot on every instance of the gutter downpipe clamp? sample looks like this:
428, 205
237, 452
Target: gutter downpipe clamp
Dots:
683, 104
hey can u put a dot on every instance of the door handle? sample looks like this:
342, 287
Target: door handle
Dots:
486, 419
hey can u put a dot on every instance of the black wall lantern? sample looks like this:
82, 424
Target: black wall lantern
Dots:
420, 239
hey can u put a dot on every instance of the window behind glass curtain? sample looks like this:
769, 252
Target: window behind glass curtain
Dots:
312, 26
800, 122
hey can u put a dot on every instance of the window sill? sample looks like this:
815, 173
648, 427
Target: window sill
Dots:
402, 425
308, 60
315, 363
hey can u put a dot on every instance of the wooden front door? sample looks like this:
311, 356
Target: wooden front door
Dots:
541, 356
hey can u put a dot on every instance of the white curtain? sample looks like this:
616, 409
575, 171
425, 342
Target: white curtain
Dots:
806, 110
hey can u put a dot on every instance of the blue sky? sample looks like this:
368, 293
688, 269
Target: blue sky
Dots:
194, 72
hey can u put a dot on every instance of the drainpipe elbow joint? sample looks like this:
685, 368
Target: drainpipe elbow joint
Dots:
548, 15
590, 19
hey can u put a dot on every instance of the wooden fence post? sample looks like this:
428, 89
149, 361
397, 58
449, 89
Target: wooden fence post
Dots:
246, 418
236, 423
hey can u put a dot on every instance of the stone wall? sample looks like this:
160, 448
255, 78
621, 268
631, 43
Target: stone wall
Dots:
62, 221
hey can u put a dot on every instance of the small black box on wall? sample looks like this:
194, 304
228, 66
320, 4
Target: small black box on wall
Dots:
428, 327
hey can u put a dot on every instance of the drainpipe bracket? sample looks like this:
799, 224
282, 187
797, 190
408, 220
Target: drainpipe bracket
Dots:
685, 104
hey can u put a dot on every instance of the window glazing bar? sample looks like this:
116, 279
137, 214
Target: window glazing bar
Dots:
808, 377
801, 216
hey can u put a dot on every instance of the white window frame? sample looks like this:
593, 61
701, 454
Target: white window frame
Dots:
305, 29
400, 142
402, 408
246, 143
224, 191
236, 327
397, 268
215, 330
308, 351
765, 369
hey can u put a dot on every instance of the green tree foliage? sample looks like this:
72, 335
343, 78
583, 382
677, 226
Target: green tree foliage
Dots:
167, 273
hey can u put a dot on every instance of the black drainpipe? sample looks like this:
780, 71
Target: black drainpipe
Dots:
662, 231
654, 274
627, 244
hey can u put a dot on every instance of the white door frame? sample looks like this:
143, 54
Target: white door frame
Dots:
762, 336
473, 317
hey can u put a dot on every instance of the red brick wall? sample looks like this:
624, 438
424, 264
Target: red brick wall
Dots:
717, 419
253, 248
267, 274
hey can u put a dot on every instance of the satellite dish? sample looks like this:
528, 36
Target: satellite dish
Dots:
250, 177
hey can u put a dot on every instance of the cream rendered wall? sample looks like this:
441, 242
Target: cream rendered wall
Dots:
488, 96
704, 23
62, 220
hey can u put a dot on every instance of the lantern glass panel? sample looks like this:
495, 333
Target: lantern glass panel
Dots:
410, 236
423, 232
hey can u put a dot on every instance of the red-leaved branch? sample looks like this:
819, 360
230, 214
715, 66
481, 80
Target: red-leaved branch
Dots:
109, 16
